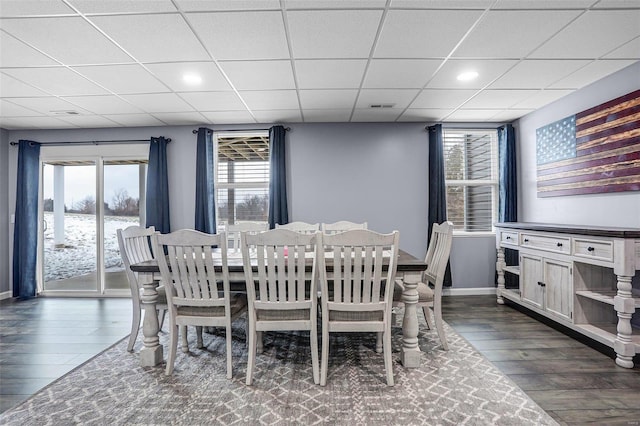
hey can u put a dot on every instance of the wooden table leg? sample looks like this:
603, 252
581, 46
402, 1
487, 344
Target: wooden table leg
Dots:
410, 355
151, 354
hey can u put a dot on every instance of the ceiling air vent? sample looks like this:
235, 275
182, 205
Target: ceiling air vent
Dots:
381, 106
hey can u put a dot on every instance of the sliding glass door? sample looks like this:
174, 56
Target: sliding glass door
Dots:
85, 199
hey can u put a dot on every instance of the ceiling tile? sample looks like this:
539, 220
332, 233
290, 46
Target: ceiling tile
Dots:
579, 40
441, 98
527, 30
47, 105
368, 115
334, 4
472, 115
153, 38
159, 102
630, 50
331, 34
623, 4
442, 4
11, 87
134, 120
172, 75
199, 5
542, 98
35, 123
542, 4
329, 74
241, 35
488, 70
88, 121
510, 115
110, 104
56, 81
33, 7
400, 73
425, 114
590, 73
75, 41
259, 75
536, 74
406, 33
494, 99
270, 99
8, 109
17, 54
329, 99
122, 6
400, 98
123, 79
180, 118
327, 115
229, 117
278, 116
214, 101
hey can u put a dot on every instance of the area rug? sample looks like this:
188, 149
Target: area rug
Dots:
454, 387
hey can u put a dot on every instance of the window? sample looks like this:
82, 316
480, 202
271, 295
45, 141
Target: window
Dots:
471, 178
242, 177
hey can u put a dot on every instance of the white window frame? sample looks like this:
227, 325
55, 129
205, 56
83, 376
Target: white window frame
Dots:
493, 182
235, 185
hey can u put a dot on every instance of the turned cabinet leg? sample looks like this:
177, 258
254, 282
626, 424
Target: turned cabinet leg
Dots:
500, 264
624, 305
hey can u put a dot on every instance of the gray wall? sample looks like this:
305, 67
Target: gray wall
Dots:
4, 211
617, 209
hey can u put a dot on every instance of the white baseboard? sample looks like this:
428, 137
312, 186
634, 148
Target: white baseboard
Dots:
472, 291
5, 295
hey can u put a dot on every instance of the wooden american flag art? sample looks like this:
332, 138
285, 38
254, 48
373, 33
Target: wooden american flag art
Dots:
595, 151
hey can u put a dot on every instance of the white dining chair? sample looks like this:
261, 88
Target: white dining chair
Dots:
279, 295
304, 227
361, 273
199, 295
430, 287
341, 226
135, 247
234, 230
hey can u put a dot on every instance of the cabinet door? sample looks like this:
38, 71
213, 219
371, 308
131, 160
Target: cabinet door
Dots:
558, 278
531, 276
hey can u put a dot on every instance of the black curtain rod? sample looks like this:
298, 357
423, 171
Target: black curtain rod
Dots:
239, 130
123, 141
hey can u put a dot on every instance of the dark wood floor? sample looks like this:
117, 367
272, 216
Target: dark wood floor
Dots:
42, 339
575, 383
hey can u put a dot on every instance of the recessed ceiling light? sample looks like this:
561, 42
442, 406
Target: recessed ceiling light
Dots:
192, 79
467, 76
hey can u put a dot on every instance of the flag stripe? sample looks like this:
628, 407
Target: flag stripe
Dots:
621, 116
590, 190
620, 153
609, 143
593, 177
607, 107
605, 161
622, 124
626, 180
600, 168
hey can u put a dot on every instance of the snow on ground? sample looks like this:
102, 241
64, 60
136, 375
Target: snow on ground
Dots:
78, 256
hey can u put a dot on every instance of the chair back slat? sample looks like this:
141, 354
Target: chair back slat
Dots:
438, 254
191, 265
134, 245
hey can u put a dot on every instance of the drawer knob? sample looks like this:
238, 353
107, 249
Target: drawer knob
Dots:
559, 244
541, 284
508, 237
526, 240
590, 248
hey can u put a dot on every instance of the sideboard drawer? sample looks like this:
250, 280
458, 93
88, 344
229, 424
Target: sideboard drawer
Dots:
556, 244
509, 237
593, 249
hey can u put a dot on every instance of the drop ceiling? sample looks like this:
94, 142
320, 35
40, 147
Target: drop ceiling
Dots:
120, 63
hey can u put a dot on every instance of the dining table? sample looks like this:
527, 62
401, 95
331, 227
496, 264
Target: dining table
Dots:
409, 270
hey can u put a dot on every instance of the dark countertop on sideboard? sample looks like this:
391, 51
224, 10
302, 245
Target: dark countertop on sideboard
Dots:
596, 231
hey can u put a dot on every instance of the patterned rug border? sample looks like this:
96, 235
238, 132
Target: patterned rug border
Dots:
459, 386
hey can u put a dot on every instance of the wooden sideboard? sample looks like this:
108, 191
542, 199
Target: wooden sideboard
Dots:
580, 277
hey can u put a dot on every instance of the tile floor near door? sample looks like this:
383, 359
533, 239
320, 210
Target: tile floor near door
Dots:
44, 338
